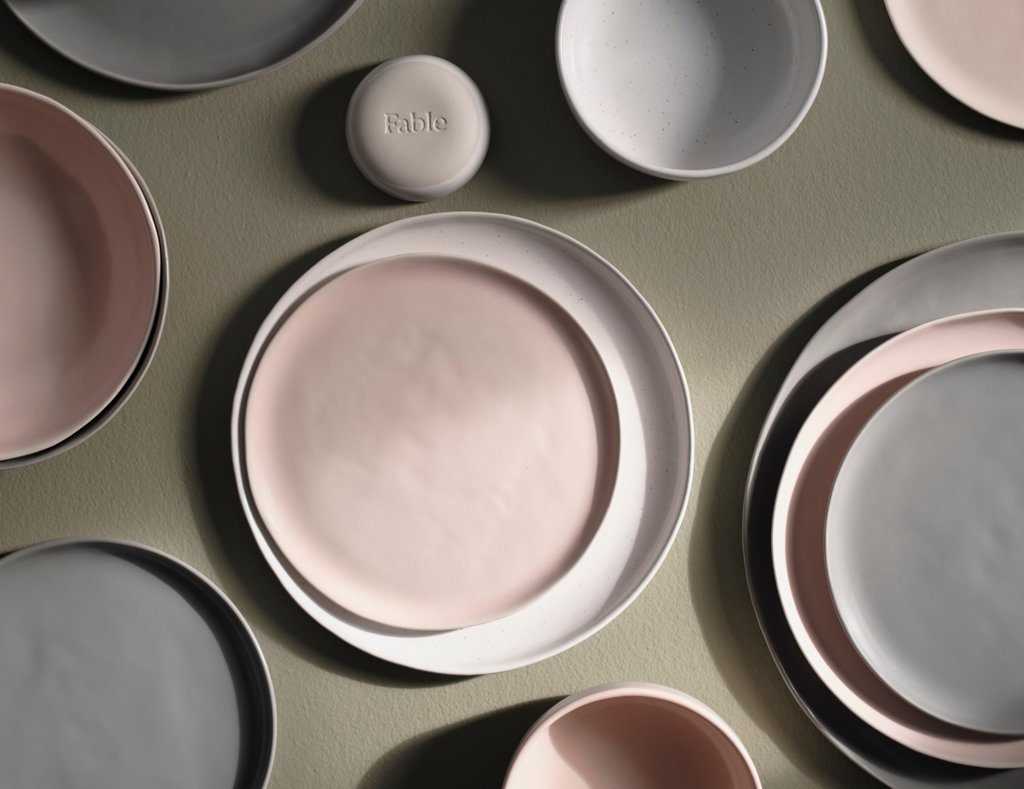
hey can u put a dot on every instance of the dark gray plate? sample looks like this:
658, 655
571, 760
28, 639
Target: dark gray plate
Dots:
982, 273
121, 668
182, 44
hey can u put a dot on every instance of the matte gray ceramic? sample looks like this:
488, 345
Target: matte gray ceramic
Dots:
925, 543
184, 44
120, 668
982, 273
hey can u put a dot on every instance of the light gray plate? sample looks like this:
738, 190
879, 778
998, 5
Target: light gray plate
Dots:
925, 542
183, 44
122, 668
982, 273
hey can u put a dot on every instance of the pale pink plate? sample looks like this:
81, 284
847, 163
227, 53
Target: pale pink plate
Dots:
974, 49
430, 442
80, 265
634, 735
798, 532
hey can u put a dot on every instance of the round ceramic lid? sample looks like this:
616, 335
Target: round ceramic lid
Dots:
417, 127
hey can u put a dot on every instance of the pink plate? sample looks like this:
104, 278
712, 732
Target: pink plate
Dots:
80, 268
798, 532
430, 442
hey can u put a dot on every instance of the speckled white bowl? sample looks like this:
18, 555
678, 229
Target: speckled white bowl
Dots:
690, 89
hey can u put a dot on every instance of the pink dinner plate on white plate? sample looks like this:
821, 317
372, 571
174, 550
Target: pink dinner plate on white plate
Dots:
631, 734
80, 263
469, 454
971, 49
798, 533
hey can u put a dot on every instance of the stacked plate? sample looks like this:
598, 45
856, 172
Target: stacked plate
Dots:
84, 270
463, 442
882, 525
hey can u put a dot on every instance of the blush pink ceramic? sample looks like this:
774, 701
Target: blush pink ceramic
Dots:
798, 531
79, 273
430, 442
972, 49
633, 735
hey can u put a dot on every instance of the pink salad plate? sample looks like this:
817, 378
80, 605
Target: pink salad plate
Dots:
82, 266
798, 531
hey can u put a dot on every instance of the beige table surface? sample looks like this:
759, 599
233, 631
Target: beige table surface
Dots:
254, 185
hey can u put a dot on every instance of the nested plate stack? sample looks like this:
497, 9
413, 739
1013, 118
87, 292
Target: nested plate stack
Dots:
882, 529
84, 269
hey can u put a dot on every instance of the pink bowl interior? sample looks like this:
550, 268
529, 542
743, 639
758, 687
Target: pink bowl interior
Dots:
636, 741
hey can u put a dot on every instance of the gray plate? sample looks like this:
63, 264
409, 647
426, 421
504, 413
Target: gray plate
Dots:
925, 543
121, 668
183, 44
983, 273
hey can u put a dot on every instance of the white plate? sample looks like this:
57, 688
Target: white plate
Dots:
799, 532
971, 49
925, 542
686, 89
649, 497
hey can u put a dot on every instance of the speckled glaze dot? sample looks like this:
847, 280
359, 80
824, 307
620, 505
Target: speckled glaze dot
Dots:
684, 90
417, 127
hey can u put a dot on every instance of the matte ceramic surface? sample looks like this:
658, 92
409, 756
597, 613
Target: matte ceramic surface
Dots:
973, 50
430, 442
632, 735
655, 433
924, 544
135, 378
121, 668
80, 259
684, 89
982, 273
417, 127
184, 45
798, 534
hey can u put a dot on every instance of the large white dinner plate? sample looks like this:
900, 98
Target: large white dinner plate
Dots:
925, 542
185, 44
647, 501
978, 274
121, 668
971, 49
82, 263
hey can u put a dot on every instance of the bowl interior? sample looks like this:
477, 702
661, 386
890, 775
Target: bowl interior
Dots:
685, 86
636, 741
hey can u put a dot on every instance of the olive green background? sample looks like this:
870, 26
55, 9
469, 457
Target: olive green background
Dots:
254, 184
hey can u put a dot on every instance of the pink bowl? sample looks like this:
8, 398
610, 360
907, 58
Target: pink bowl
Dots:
633, 735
